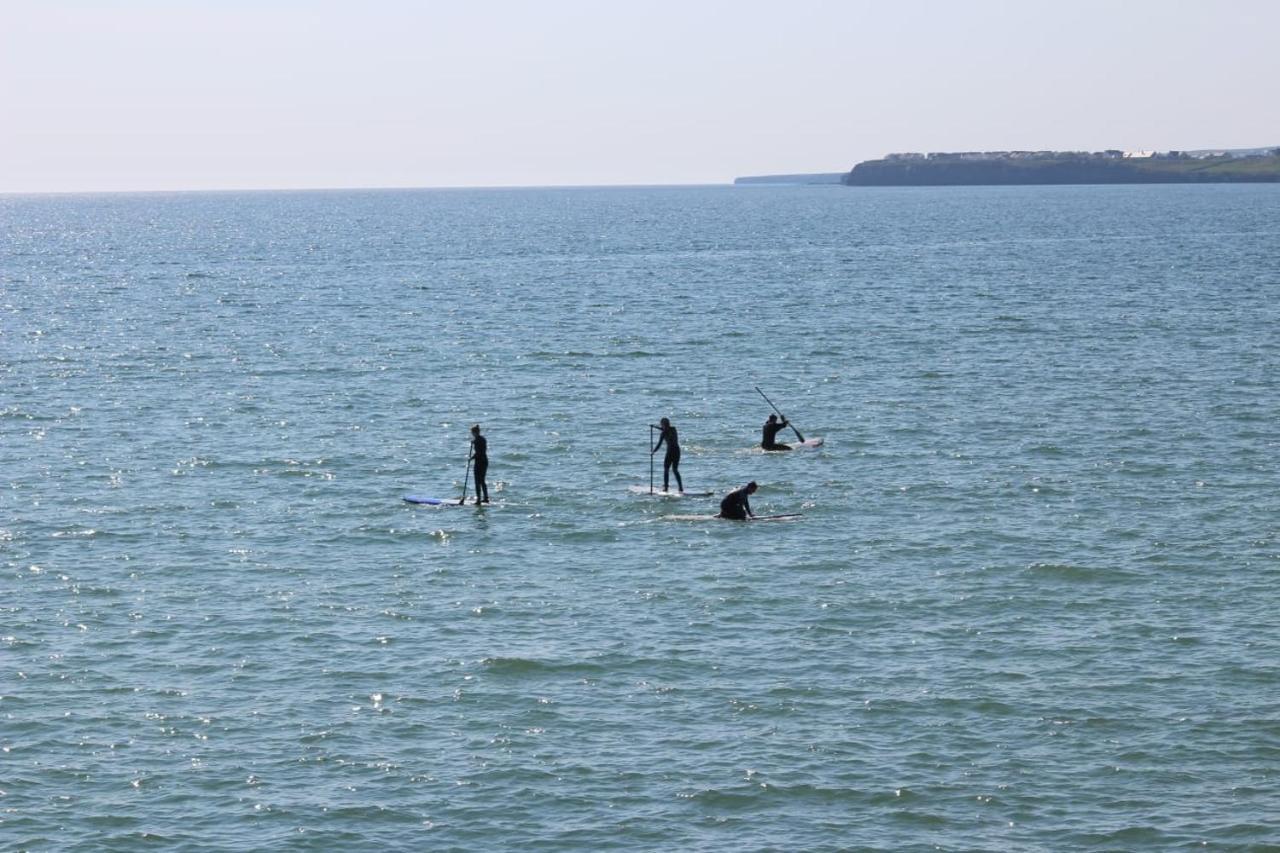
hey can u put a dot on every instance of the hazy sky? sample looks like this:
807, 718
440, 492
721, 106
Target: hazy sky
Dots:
196, 94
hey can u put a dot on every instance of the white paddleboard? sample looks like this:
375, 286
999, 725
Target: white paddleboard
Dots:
427, 500
659, 493
808, 444
783, 517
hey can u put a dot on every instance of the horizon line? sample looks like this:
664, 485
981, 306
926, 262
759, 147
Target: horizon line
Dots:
387, 188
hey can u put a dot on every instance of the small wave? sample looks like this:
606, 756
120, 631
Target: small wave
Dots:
564, 354
533, 666
1051, 450
82, 533
1070, 572
758, 789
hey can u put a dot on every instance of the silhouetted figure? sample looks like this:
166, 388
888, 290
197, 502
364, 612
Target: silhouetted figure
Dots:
771, 428
735, 506
670, 462
480, 457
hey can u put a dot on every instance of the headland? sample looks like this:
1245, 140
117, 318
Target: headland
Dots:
971, 168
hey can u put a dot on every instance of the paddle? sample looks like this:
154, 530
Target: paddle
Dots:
470, 455
784, 417
650, 446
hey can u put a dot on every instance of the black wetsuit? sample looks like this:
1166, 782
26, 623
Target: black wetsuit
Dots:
480, 451
769, 439
670, 462
736, 505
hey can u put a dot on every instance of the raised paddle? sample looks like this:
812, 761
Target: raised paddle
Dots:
784, 417
470, 455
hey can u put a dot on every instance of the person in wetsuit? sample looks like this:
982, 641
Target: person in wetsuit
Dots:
736, 506
670, 462
771, 428
480, 457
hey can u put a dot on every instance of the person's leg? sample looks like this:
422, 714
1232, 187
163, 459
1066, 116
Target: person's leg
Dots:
666, 474
482, 487
675, 469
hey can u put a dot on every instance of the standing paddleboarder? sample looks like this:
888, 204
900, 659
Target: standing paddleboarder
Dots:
480, 457
735, 506
670, 462
769, 439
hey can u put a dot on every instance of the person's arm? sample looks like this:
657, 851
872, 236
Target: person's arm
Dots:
746, 504
662, 436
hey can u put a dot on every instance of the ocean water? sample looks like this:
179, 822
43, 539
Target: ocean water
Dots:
1031, 603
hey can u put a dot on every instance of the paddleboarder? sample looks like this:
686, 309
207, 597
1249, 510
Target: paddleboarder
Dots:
735, 506
480, 459
771, 429
670, 462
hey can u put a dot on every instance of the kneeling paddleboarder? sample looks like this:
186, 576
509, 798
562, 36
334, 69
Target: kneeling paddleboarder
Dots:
736, 505
769, 438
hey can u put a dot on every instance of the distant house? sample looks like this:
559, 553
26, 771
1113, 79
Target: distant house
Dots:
1139, 155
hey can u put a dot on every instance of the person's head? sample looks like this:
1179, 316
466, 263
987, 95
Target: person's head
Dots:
475, 429
751, 487
665, 422
773, 419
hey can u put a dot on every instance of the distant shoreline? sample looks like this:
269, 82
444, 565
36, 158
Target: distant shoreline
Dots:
1002, 168
1005, 168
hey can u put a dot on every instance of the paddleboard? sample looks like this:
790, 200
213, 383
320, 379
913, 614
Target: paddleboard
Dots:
809, 443
783, 517
430, 501
659, 493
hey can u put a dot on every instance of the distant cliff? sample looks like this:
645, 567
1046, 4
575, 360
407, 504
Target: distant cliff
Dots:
1067, 167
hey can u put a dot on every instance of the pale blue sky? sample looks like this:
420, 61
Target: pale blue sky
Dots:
222, 94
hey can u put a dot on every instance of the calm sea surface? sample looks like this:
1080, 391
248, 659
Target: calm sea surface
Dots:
1032, 603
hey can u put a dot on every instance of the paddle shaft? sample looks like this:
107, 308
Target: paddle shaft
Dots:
650, 446
465, 477
784, 417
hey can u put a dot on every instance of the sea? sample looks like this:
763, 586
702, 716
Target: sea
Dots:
1030, 601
